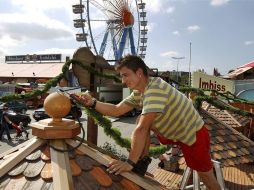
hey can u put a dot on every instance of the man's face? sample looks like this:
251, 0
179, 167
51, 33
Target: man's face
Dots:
129, 77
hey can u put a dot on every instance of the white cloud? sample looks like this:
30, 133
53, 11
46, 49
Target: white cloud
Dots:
193, 28
169, 54
219, 2
248, 42
156, 6
170, 9
35, 20
150, 26
45, 5
176, 33
32, 20
153, 6
6, 41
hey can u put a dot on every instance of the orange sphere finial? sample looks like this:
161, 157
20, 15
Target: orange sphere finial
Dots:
57, 105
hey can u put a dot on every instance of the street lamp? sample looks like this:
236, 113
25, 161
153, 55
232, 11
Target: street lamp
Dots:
178, 60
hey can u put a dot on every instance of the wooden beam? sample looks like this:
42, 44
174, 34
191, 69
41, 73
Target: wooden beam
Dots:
62, 178
10, 162
105, 160
15, 148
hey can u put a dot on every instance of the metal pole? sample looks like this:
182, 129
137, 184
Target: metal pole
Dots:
190, 67
177, 70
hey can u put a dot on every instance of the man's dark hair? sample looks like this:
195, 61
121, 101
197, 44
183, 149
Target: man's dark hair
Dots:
133, 63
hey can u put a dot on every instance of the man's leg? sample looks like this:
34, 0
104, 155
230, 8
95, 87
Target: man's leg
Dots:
7, 130
209, 180
197, 157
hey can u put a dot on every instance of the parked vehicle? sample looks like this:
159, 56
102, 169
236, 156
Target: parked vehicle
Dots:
36, 101
40, 114
16, 106
17, 118
133, 112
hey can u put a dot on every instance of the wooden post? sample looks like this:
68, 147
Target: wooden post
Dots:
62, 179
92, 128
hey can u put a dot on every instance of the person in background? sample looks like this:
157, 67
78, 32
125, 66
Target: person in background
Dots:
20, 129
4, 123
165, 111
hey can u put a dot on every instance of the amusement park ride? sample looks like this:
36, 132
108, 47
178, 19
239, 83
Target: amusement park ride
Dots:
112, 28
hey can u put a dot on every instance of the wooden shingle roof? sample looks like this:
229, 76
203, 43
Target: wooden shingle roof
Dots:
235, 121
33, 164
234, 151
30, 166
228, 146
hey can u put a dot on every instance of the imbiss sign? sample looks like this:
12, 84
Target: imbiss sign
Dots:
209, 82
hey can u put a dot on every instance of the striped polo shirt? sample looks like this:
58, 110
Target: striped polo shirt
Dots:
176, 118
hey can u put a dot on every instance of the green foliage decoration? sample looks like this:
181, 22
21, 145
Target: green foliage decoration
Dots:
106, 124
201, 96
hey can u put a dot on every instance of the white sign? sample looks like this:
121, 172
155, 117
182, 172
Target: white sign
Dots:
209, 82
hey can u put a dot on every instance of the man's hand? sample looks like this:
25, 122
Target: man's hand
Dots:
85, 99
118, 166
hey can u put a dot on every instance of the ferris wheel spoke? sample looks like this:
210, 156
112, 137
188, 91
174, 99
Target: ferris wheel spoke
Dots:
119, 33
116, 8
98, 5
118, 5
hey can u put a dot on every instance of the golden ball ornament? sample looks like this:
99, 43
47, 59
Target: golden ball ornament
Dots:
57, 105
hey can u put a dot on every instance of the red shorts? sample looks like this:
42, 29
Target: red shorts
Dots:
197, 156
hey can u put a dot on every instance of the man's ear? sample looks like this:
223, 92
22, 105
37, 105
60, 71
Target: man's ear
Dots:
139, 72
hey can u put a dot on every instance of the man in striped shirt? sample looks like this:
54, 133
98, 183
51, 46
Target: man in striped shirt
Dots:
165, 111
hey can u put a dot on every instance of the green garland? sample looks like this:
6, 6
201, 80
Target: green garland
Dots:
201, 96
106, 124
116, 134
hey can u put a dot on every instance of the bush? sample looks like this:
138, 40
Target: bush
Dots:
113, 150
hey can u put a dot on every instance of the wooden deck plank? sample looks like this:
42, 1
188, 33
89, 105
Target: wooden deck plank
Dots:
164, 177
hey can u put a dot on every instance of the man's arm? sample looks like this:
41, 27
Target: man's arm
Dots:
140, 134
7, 119
111, 109
137, 144
106, 108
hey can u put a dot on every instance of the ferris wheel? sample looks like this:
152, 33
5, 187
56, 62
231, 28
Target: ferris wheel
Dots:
112, 28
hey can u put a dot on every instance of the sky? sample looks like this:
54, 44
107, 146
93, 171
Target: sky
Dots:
221, 32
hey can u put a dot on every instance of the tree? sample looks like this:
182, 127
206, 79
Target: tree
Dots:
216, 72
